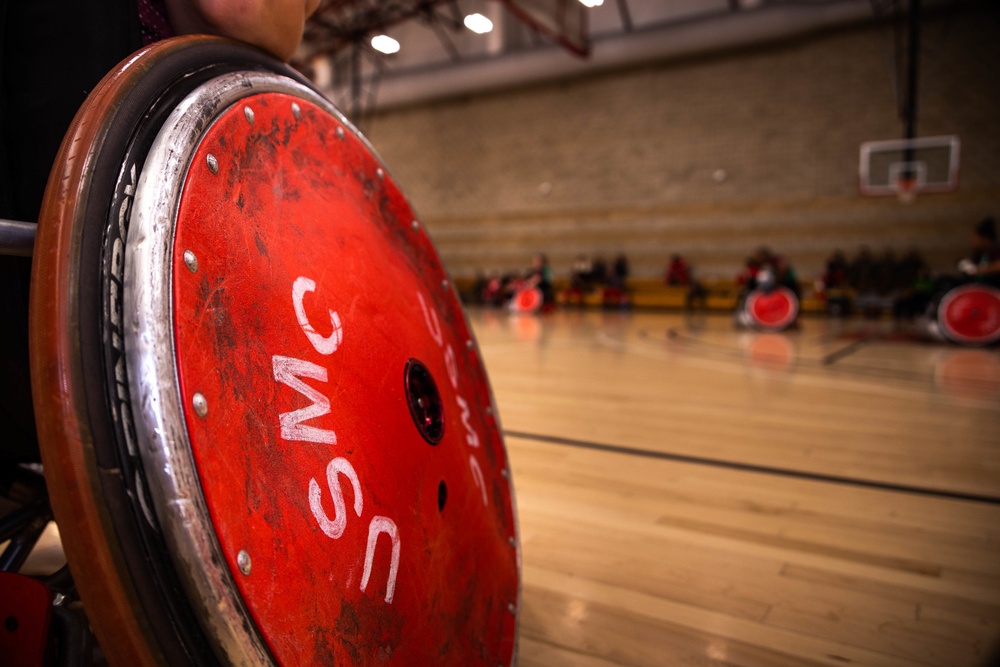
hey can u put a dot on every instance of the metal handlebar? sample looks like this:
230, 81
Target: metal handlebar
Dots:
17, 239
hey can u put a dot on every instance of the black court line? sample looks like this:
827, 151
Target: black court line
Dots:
851, 348
759, 469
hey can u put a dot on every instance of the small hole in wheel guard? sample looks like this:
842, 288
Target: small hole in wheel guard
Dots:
424, 401
442, 495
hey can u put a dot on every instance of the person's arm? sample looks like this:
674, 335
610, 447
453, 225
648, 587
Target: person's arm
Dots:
273, 25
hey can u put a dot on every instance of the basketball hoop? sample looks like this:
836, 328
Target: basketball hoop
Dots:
906, 189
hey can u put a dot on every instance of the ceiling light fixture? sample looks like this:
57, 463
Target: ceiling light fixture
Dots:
591, 3
478, 24
385, 44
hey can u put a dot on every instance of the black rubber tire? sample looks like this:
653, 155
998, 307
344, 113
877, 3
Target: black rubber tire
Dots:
136, 123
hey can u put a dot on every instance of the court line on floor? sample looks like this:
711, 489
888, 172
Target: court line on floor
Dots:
753, 468
845, 351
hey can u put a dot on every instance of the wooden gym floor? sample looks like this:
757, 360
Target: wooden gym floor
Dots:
693, 495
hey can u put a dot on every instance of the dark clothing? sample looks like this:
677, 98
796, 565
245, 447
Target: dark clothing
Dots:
153, 22
543, 280
837, 270
862, 275
986, 256
619, 273
52, 54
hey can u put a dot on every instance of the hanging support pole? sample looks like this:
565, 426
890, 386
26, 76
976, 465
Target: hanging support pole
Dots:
912, 69
912, 77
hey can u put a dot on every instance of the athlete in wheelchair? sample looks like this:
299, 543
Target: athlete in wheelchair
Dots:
769, 300
965, 307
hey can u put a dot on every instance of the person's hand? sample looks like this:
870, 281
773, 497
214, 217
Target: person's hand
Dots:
273, 25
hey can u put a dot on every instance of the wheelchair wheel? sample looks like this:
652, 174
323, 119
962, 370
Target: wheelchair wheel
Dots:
773, 310
527, 301
265, 425
970, 315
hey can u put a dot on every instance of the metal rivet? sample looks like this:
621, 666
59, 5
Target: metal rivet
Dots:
296, 110
380, 173
243, 561
213, 164
504, 473
512, 541
200, 405
190, 261
489, 409
340, 133
415, 225
444, 284
248, 112
469, 344
511, 608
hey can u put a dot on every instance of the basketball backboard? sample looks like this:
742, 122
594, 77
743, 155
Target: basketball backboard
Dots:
904, 167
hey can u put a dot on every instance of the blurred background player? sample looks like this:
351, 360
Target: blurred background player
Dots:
540, 277
984, 260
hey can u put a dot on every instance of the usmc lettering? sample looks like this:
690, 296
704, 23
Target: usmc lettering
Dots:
451, 366
290, 372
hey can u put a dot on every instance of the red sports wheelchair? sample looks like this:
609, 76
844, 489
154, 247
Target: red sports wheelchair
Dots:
773, 308
266, 430
966, 314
